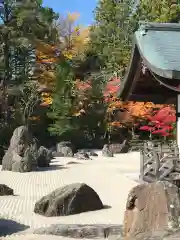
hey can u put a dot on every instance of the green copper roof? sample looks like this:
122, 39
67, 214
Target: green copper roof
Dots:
159, 46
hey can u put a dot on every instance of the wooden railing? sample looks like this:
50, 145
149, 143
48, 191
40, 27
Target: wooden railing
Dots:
159, 162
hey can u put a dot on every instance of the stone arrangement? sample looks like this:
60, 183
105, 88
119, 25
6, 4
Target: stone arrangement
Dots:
23, 154
152, 209
152, 213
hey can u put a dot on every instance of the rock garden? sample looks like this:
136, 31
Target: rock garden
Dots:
81, 154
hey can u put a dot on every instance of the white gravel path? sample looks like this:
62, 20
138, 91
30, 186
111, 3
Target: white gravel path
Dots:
111, 178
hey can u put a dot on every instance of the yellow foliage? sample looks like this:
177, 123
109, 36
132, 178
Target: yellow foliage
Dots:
72, 17
68, 54
75, 39
46, 99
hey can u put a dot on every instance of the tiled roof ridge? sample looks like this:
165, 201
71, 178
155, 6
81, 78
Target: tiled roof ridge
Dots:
154, 26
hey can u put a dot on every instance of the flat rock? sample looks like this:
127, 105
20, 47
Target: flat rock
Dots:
82, 230
71, 199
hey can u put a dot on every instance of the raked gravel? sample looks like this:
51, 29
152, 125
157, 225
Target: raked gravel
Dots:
111, 178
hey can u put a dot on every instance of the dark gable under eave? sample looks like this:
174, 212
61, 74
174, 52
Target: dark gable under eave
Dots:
161, 55
128, 81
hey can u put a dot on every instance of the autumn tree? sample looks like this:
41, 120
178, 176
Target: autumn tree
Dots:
73, 37
21, 25
160, 123
47, 57
20, 28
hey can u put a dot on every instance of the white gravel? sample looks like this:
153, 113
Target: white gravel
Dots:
111, 178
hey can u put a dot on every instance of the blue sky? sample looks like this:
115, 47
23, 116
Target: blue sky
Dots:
83, 7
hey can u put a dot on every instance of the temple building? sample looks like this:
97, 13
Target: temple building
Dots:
154, 69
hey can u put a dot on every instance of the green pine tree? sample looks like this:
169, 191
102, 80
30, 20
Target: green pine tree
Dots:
158, 11
63, 99
112, 32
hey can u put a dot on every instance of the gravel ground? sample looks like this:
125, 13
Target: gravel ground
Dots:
111, 178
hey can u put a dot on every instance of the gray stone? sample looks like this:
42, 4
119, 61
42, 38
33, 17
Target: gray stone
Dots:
71, 199
65, 149
119, 147
27, 163
106, 151
22, 152
92, 153
82, 155
5, 190
44, 157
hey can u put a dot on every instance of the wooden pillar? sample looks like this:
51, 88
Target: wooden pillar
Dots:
178, 119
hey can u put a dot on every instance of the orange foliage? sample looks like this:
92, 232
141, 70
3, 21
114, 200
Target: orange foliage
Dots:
132, 113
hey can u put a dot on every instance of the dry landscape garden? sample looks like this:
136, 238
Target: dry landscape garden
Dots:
89, 134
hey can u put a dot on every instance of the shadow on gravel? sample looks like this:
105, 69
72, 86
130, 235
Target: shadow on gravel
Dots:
82, 230
106, 207
8, 227
73, 162
51, 168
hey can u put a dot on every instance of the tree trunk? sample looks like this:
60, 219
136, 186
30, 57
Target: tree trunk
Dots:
6, 66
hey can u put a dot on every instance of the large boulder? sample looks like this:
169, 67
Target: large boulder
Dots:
151, 208
5, 190
65, 149
44, 157
71, 199
22, 152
